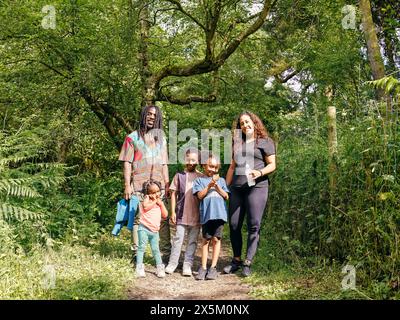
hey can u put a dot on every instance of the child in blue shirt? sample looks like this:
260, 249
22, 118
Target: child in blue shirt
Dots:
212, 193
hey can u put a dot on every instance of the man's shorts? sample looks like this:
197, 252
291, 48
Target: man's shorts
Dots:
213, 228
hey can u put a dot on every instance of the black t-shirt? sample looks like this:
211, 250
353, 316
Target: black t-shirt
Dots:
252, 154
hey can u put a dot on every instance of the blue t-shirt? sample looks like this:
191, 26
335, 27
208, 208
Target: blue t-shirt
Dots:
213, 205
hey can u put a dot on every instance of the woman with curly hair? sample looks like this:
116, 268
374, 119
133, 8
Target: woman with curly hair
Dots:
247, 176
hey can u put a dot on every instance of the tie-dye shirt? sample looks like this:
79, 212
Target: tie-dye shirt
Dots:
147, 160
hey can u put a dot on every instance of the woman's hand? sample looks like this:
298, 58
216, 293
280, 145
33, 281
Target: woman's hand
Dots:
255, 174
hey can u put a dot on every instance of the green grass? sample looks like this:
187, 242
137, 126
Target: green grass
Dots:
100, 272
290, 285
318, 282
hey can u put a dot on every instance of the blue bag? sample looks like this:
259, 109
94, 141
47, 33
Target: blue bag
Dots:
126, 211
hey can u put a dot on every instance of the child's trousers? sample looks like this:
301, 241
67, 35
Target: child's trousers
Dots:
177, 241
145, 235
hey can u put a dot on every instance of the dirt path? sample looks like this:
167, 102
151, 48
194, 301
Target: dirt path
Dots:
178, 287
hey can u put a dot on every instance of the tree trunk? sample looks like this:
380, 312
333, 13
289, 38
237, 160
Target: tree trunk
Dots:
148, 86
332, 147
374, 54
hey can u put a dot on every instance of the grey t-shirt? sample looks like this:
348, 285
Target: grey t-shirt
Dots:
252, 154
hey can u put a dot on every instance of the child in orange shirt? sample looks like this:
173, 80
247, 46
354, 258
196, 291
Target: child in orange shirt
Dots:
152, 211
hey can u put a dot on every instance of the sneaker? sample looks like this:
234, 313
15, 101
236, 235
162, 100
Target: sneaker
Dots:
140, 271
246, 271
187, 269
201, 275
133, 259
170, 268
233, 267
212, 274
160, 271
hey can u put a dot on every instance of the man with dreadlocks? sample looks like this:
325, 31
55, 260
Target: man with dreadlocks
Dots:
144, 155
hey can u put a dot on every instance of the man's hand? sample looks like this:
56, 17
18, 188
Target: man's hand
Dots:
167, 191
128, 192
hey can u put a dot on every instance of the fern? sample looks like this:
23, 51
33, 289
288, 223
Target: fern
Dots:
389, 84
8, 211
18, 191
21, 177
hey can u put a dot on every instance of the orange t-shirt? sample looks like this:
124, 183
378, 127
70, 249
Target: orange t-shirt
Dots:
151, 218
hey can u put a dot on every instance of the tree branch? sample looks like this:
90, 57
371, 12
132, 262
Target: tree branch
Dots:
212, 97
42, 63
287, 78
186, 100
212, 22
232, 46
105, 119
105, 108
208, 63
182, 10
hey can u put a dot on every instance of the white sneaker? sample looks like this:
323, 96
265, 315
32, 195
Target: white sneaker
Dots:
160, 271
140, 271
187, 269
170, 268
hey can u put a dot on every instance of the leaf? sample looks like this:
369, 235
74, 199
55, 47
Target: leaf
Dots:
8, 211
388, 177
383, 196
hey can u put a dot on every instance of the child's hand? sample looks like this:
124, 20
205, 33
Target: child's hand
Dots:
159, 201
212, 184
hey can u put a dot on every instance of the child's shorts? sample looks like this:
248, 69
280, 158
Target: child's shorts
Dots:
213, 228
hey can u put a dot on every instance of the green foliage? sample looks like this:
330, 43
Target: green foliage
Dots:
390, 84
59, 175
22, 175
362, 226
80, 274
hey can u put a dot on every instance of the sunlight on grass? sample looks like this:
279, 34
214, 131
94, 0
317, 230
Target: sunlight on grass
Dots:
79, 272
301, 285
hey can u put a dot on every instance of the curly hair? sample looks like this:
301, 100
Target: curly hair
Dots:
149, 183
259, 128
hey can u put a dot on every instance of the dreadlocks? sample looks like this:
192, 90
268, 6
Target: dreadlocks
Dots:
157, 127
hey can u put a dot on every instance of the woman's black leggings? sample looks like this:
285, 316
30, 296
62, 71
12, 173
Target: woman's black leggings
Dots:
250, 200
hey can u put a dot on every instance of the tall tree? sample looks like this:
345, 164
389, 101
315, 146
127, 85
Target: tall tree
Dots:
374, 54
223, 26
